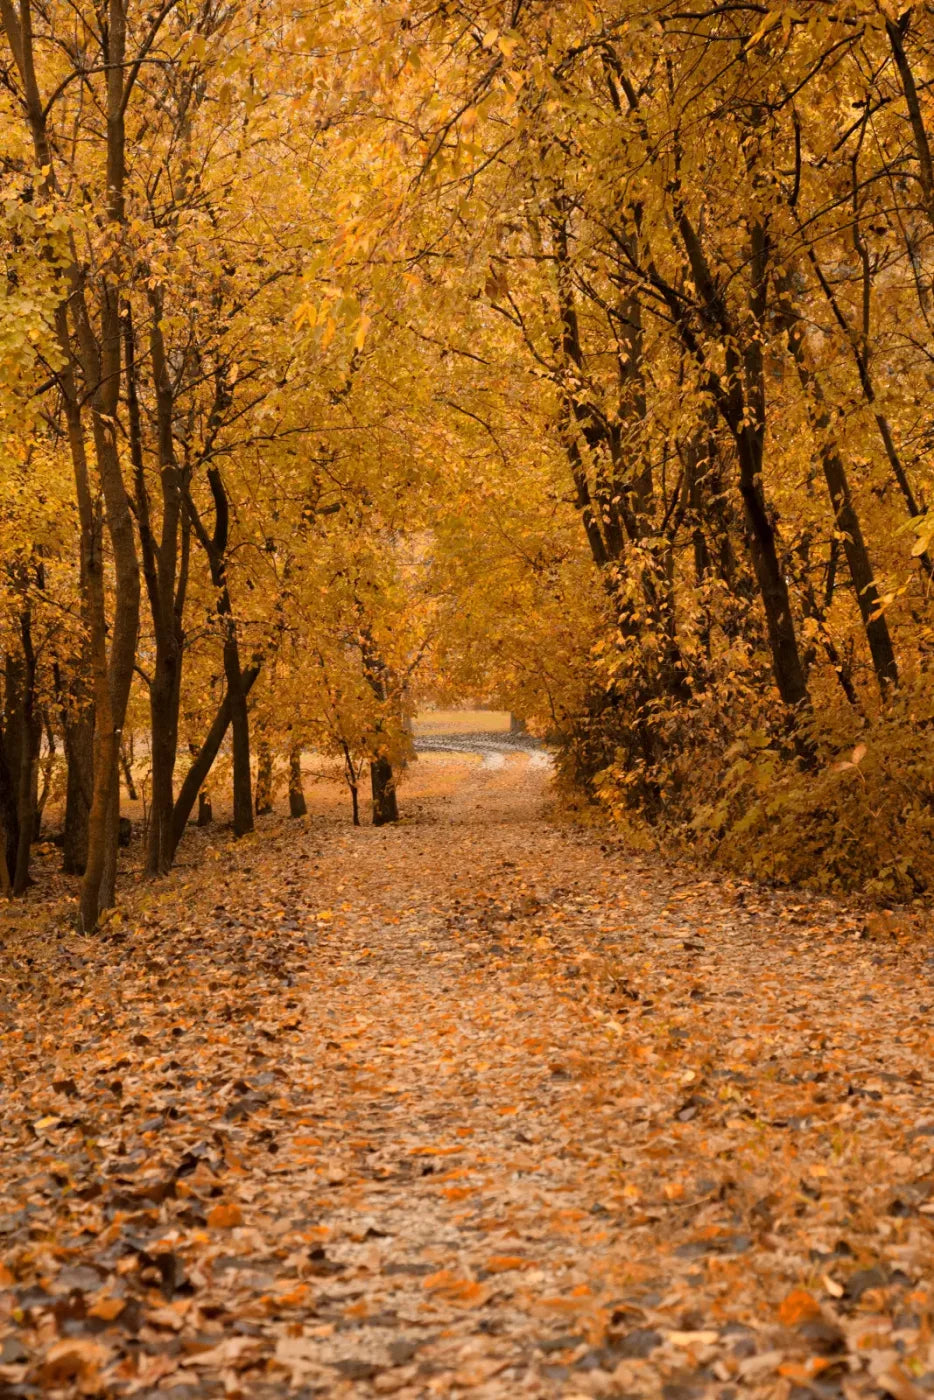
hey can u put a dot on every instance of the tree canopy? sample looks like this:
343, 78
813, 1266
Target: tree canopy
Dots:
570, 357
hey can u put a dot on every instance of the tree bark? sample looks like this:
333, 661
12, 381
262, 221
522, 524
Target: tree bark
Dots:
201, 767
215, 548
297, 804
165, 570
383, 785
263, 779
741, 402
9, 811
79, 749
30, 739
240, 728
845, 515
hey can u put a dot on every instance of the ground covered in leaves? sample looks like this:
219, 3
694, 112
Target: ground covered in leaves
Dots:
475, 1106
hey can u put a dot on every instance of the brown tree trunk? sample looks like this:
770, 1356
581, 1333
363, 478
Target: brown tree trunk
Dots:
165, 569
773, 590
29, 743
263, 797
11, 740
126, 766
197, 774
79, 749
240, 730
846, 518
215, 548
6, 888
297, 804
163, 708
383, 785
350, 773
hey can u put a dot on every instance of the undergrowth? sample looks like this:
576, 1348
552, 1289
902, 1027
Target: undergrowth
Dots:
860, 818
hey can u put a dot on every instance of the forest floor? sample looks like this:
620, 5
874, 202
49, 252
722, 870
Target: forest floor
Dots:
479, 1105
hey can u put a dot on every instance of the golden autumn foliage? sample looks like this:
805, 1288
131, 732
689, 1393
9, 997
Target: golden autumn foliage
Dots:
574, 357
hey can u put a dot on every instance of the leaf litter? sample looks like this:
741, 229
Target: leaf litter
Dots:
477, 1105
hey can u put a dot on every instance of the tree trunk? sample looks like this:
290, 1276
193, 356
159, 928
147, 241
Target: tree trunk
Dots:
205, 810
47, 768
197, 774
740, 398
350, 773
108, 885
383, 784
79, 748
126, 766
102, 364
163, 708
165, 569
5, 886
215, 548
297, 805
240, 726
845, 517
11, 738
29, 744
263, 779
773, 590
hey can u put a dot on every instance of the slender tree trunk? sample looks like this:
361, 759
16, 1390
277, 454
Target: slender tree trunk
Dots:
240, 728
350, 773
79, 758
894, 29
166, 592
6, 888
741, 401
846, 518
297, 804
197, 774
215, 548
773, 590
126, 766
30, 740
263, 779
103, 369
8, 817
11, 740
163, 708
111, 842
47, 767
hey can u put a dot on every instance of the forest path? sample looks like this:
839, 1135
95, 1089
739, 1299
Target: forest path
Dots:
477, 1105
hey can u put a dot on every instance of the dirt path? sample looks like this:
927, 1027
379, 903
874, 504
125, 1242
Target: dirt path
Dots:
474, 1106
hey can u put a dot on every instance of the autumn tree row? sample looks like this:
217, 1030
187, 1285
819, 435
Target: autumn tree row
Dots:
187, 522
702, 237
576, 354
